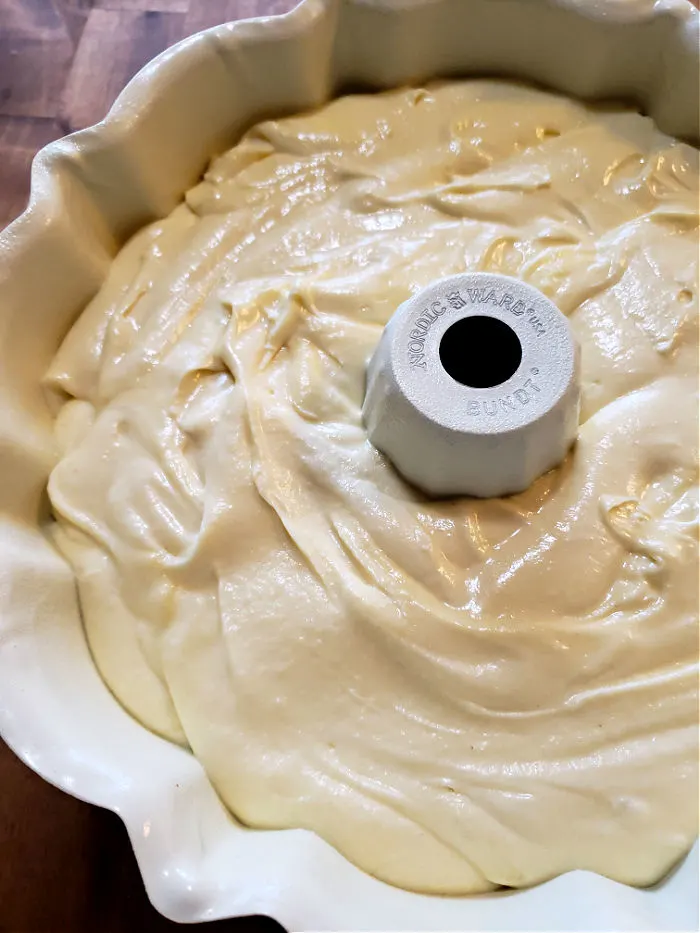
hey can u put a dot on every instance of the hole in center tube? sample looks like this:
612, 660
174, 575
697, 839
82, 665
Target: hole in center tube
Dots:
480, 351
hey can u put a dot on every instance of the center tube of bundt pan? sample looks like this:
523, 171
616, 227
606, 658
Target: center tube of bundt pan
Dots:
474, 387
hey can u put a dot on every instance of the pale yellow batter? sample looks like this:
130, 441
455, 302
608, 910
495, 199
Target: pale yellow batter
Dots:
456, 694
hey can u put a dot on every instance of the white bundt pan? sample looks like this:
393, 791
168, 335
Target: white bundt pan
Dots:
92, 190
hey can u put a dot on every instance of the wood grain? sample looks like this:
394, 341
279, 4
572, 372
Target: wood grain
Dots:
64, 61
203, 15
20, 138
115, 44
67, 867
35, 56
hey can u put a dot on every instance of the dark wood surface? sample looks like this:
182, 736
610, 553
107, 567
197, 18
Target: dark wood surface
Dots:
62, 63
65, 866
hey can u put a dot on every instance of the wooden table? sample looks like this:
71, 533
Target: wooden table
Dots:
62, 63
65, 866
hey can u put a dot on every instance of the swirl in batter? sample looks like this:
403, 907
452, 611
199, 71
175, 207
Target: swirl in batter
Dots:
456, 694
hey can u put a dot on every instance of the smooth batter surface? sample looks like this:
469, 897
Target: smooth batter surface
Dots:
456, 694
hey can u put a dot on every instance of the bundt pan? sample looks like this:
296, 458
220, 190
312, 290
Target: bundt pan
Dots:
92, 190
